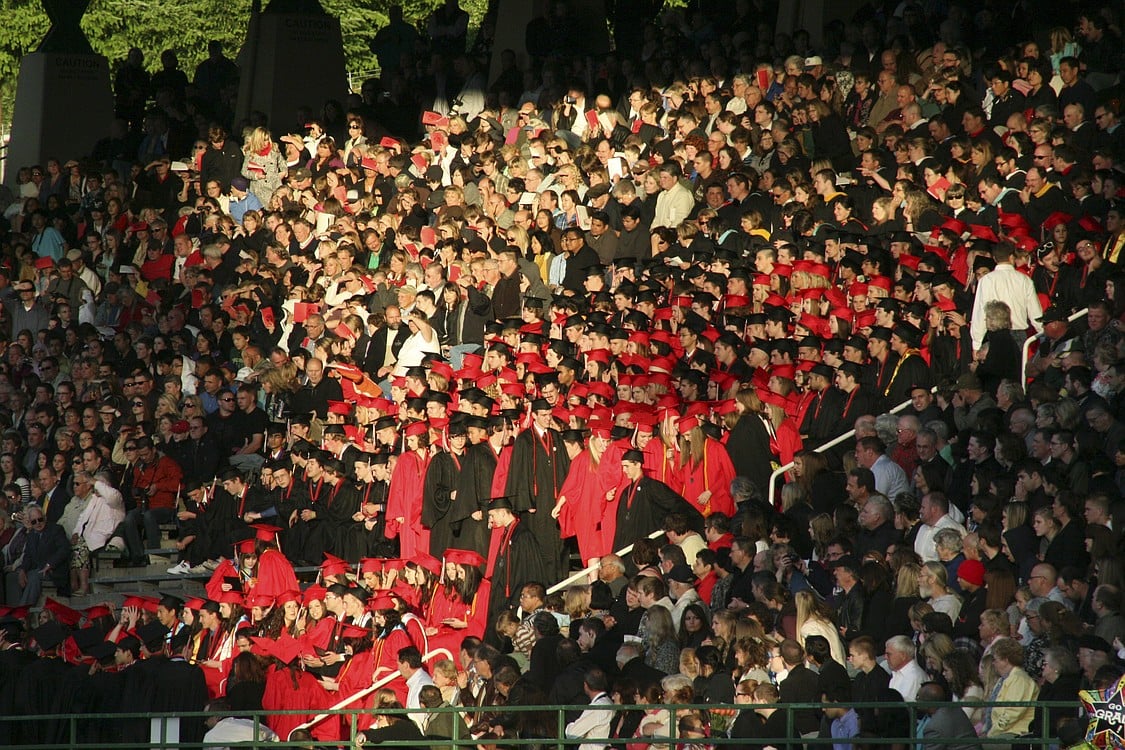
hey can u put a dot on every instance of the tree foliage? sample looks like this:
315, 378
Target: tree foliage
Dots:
114, 26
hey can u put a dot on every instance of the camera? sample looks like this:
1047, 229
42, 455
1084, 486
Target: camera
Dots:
570, 100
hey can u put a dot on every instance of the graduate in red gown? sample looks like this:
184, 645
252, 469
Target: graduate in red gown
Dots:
390, 638
404, 498
706, 469
315, 620
289, 688
355, 675
593, 478
785, 436
459, 606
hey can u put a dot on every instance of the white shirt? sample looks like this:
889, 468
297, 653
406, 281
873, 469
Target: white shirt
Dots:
924, 542
673, 206
908, 679
890, 479
414, 686
1008, 285
594, 723
236, 730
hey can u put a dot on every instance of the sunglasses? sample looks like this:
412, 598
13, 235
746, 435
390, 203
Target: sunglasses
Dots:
37, 522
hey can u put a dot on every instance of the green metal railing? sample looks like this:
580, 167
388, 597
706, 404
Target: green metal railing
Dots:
163, 729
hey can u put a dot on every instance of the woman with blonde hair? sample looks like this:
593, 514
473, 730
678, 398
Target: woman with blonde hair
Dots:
815, 618
706, 470
263, 164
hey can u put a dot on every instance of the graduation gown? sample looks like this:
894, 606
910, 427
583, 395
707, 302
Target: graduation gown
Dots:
291, 690
448, 605
474, 488
304, 540
367, 538
275, 574
585, 491
437, 500
405, 501
748, 445
639, 508
339, 504
908, 372
513, 561
823, 418
713, 474
538, 469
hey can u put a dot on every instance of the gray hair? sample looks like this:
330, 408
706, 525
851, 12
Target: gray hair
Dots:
901, 644
948, 540
882, 506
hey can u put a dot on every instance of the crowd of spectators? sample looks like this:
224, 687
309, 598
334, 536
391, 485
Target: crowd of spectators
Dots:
442, 344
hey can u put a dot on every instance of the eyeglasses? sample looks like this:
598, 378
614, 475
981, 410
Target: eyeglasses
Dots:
227, 399
353, 126
37, 521
138, 403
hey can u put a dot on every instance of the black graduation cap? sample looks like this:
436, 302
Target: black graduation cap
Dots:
504, 502
171, 601
50, 635
102, 650
909, 333
85, 638
333, 429
384, 423
360, 593
572, 436
229, 473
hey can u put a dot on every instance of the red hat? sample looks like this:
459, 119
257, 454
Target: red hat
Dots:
265, 532
354, 631
63, 614
687, 424
371, 565
865, 319
313, 593
230, 597
428, 562
416, 428
858, 289
44, 263
380, 602
464, 557
971, 571
194, 603
246, 546
1058, 217
259, 600
789, 372
343, 408
443, 369
98, 610
945, 304
287, 596
881, 282
334, 566
782, 269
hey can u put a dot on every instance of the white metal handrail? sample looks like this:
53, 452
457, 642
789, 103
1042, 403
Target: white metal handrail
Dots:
443, 652
1024, 359
830, 444
589, 569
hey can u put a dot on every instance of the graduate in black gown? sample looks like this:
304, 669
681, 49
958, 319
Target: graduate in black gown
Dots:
513, 561
642, 505
304, 540
440, 489
338, 506
474, 488
365, 536
538, 469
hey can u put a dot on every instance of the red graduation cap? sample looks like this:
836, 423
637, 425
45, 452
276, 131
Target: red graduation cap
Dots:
133, 601
865, 319
258, 600
353, 432
782, 269
314, 593
789, 372
342, 408
287, 596
230, 597
1056, 218
265, 532
515, 390
63, 614
687, 424
428, 562
736, 300
194, 603
371, 565
730, 406
16, 613
724, 380
394, 563
945, 304
909, 261
416, 428
443, 369
982, 232
334, 566
246, 546
1090, 224
464, 557
885, 282
96, 611
381, 602
858, 289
